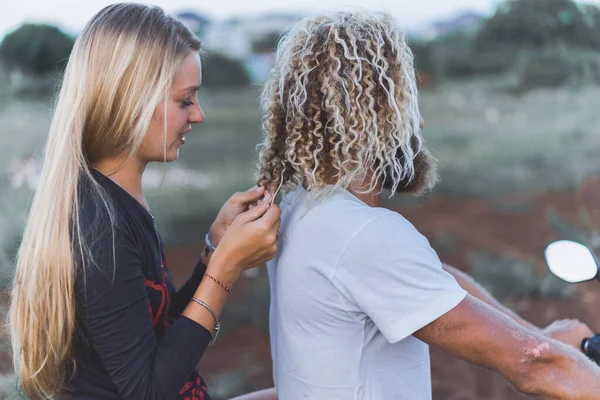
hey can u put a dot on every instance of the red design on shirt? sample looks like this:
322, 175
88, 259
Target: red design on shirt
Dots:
162, 289
159, 301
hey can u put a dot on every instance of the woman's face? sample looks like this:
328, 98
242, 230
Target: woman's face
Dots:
182, 111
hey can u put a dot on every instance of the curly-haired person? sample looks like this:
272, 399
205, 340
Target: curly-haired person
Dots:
357, 292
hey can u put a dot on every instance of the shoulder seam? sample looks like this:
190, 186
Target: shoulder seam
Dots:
369, 222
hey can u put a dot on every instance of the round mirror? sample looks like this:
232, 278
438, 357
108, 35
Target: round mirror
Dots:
571, 261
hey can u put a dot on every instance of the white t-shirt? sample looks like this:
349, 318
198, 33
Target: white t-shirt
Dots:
349, 287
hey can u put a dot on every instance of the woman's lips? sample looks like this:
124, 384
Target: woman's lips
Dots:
181, 136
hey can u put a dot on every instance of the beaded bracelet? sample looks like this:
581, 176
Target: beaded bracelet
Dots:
219, 283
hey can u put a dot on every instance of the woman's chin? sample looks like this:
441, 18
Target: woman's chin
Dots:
173, 156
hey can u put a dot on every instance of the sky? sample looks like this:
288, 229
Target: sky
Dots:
71, 15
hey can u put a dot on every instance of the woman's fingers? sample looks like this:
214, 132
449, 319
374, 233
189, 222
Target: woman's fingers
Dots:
273, 216
248, 197
254, 234
253, 213
268, 225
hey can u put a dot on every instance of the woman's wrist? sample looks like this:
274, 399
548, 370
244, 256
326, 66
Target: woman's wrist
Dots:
206, 255
223, 269
210, 244
214, 297
215, 233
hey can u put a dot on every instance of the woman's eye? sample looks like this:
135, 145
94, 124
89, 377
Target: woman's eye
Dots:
185, 104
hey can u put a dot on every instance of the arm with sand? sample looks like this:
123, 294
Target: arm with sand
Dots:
535, 364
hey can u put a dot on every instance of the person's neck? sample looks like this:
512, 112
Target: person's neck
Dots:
370, 199
125, 172
373, 197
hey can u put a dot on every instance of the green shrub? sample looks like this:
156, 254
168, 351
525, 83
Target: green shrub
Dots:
511, 278
556, 66
5, 90
36, 49
450, 56
536, 23
455, 56
220, 71
546, 43
455, 64
267, 43
14, 205
9, 386
422, 53
42, 86
582, 231
495, 60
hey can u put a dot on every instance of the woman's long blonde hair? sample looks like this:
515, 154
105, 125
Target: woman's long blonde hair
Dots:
121, 68
341, 107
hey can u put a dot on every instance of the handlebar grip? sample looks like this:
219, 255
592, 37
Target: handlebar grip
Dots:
591, 348
584, 345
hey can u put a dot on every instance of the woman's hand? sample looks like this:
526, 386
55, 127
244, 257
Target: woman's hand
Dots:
250, 240
237, 204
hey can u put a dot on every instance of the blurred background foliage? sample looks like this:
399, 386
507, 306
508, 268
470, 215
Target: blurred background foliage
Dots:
540, 43
510, 108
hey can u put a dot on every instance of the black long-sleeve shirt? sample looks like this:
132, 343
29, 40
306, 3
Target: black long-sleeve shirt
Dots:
131, 340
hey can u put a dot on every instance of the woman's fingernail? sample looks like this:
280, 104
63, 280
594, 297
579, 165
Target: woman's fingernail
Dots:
267, 198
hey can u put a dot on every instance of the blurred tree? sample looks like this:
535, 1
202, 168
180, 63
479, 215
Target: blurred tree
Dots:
266, 43
555, 66
451, 55
36, 49
535, 23
220, 71
422, 52
591, 17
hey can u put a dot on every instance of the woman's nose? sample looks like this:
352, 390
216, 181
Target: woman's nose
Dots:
197, 116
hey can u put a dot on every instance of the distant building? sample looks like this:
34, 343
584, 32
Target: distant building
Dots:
259, 65
468, 21
463, 22
196, 22
250, 40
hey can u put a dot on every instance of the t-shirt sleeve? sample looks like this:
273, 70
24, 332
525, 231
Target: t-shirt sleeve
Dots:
391, 273
113, 305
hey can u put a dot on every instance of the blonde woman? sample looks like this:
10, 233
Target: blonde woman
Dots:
94, 313
357, 293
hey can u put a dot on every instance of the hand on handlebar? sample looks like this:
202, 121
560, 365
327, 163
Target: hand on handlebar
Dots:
568, 331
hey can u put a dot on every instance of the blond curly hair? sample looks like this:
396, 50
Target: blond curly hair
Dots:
341, 108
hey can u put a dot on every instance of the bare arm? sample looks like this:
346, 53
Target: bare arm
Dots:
536, 365
250, 240
569, 331
477, 291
